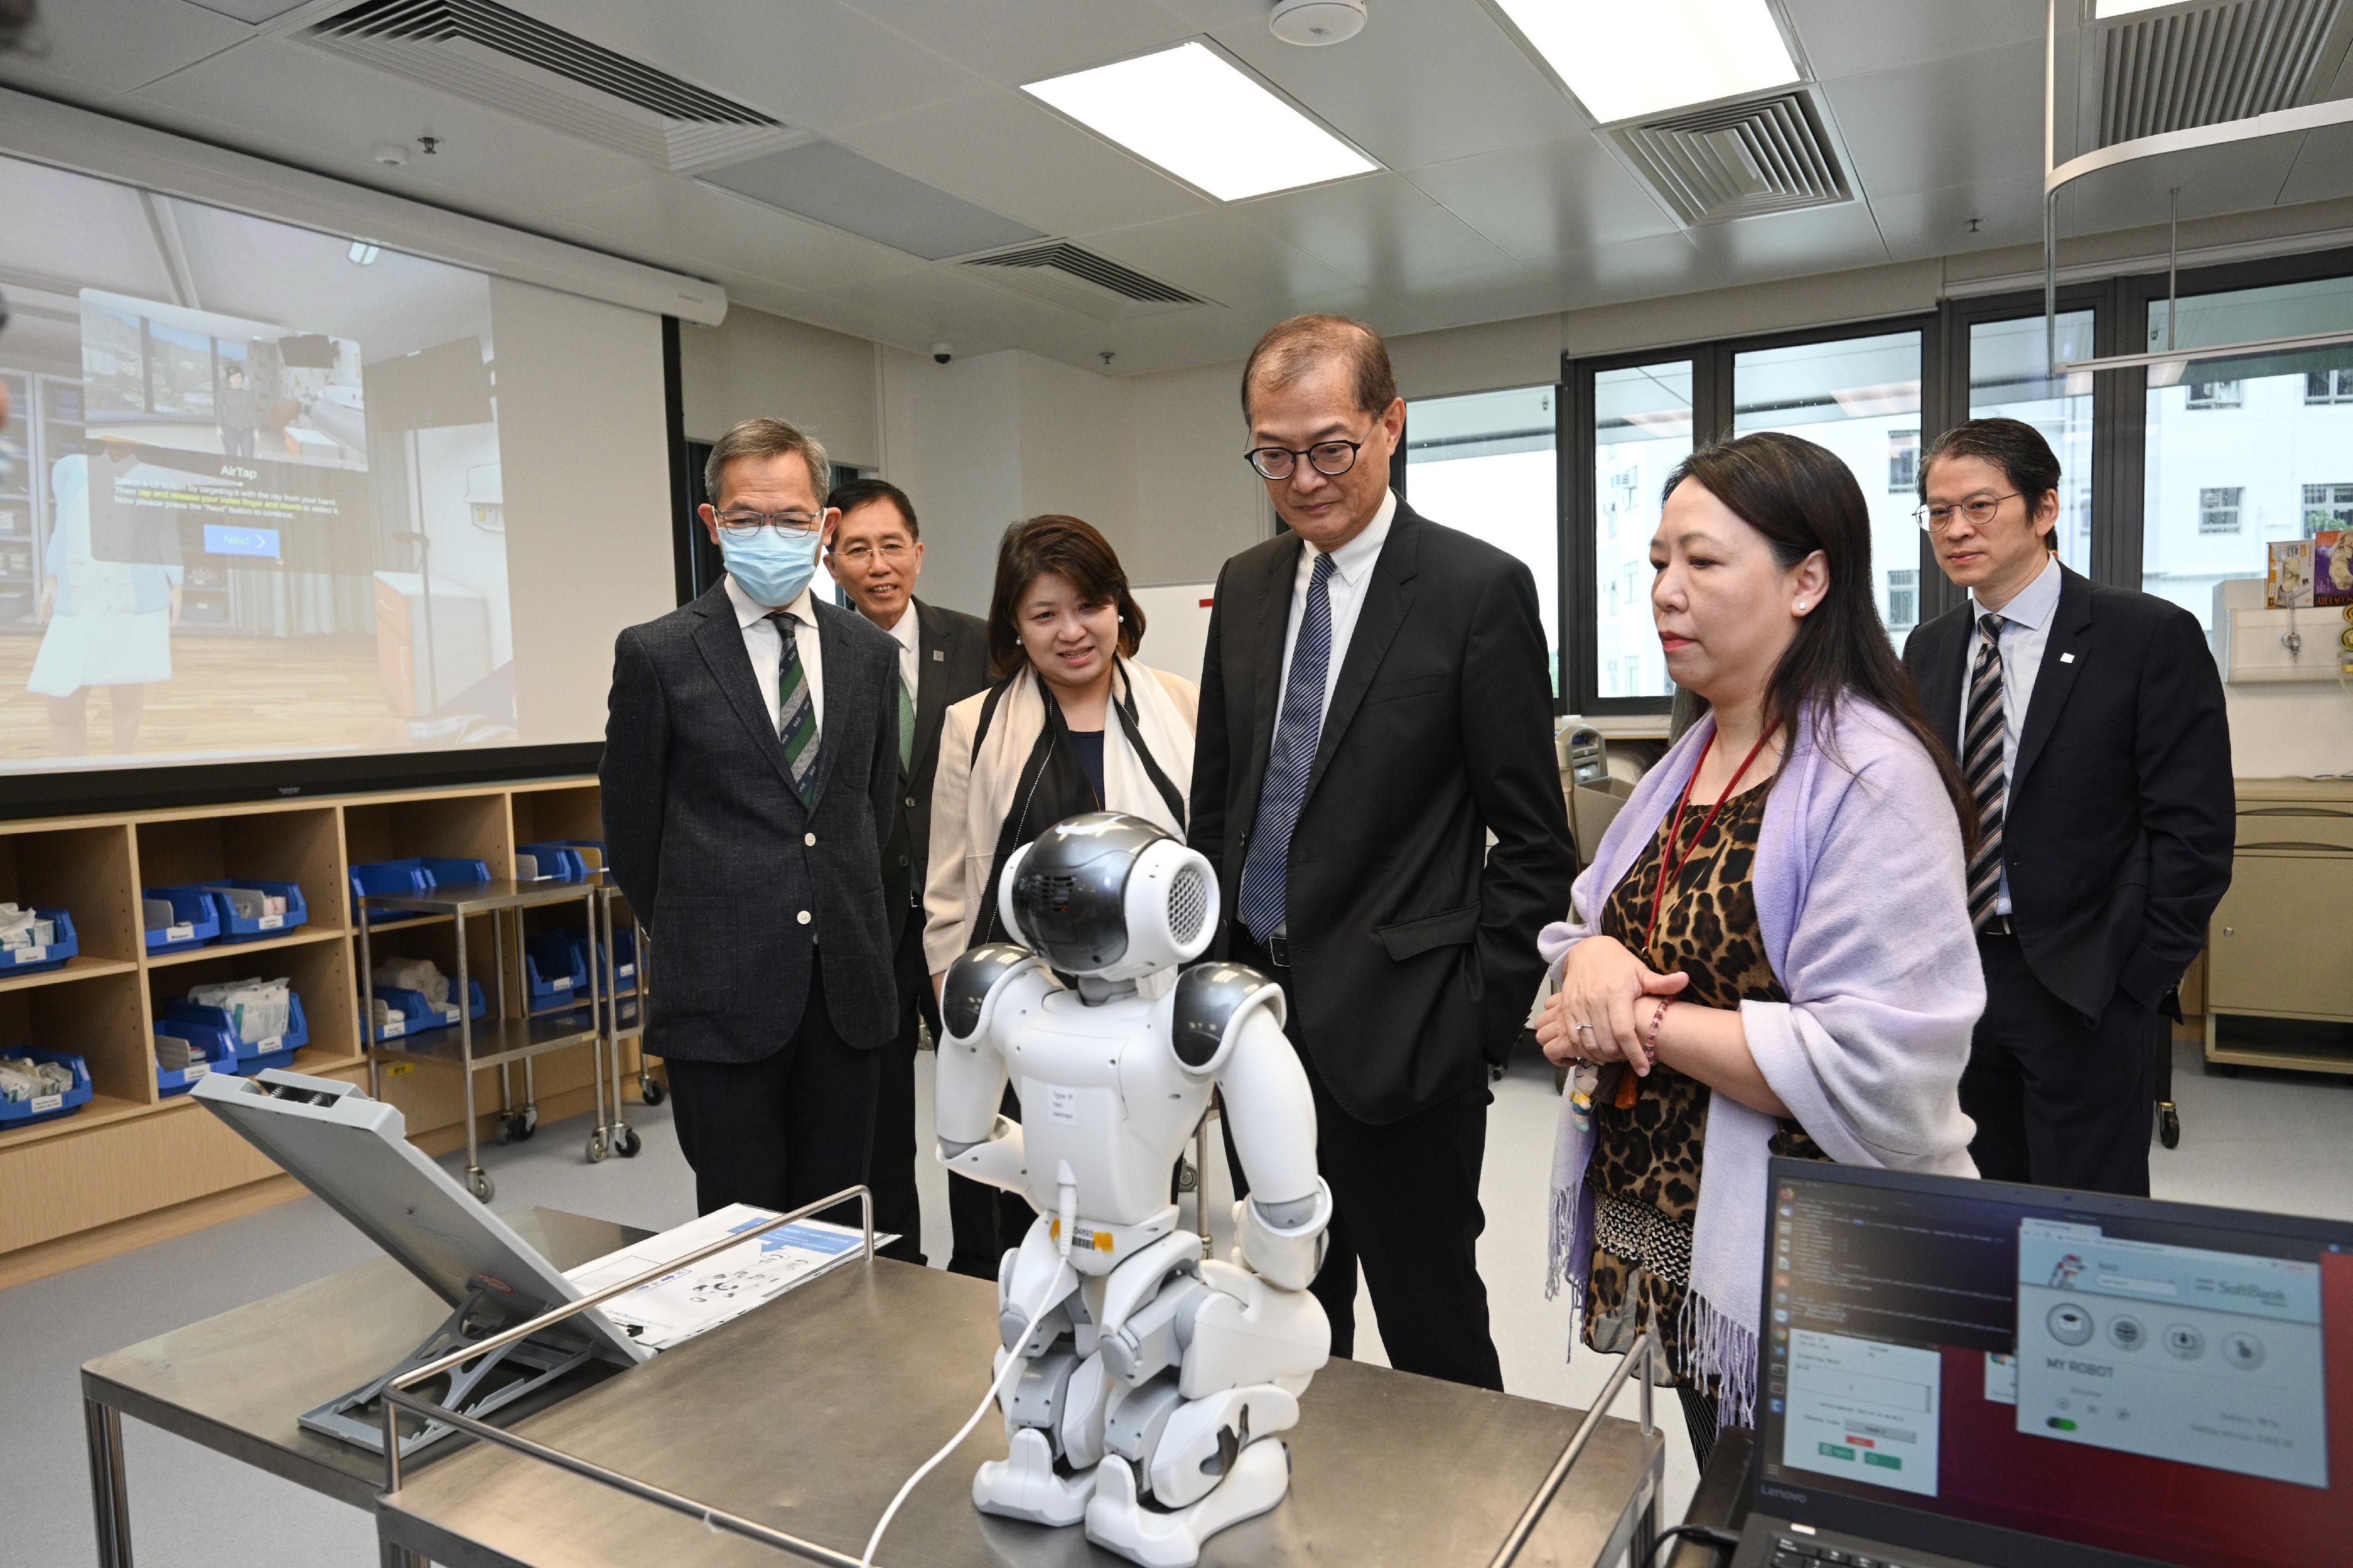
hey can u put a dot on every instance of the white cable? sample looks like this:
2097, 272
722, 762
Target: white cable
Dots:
1013, 1358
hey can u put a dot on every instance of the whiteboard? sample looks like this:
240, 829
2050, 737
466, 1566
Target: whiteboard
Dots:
1176, 626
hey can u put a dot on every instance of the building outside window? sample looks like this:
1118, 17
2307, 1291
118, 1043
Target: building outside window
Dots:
1484, 463
2009, 378
2327, 507
1641, 429
1903, 461
2218, 509
2215, 395
2222, 486
1902, 601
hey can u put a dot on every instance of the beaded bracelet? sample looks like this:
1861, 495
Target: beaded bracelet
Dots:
1650, 1045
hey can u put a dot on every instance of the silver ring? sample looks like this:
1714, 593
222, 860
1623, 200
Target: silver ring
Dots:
1585, 1029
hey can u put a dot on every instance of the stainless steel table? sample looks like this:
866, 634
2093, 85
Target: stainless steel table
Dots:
235, 1383
807, 1414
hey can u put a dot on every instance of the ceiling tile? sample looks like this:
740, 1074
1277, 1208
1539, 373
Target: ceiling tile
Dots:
1221, 256
944, 300
2324, 169
815, 64
1855, 38
1421, 84
1781, 245
1030, 40
666, 215
1015, 156
2239, 176
1955, 121
1566, 195
1921, 224
1380, 230
113, 45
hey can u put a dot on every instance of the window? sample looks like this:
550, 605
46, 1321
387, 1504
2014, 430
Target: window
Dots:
2218, 490
1903, 462
1903, 598
1486, 463
1641, 429
2009, 377
2327, 507
2328, 386
2218, 509
1858, 396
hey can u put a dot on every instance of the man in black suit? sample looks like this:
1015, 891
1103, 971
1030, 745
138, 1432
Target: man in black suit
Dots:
1376, 699
751, 776
876, 555
2090, 725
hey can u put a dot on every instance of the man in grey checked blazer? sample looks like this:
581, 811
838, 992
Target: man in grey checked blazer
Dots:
748, 788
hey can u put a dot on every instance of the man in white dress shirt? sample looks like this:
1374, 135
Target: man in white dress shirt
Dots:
751, 776
876, 554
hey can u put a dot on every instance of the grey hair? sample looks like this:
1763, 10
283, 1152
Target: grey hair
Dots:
767, 438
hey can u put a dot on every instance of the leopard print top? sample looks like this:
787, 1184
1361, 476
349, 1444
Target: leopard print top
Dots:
1645, 1172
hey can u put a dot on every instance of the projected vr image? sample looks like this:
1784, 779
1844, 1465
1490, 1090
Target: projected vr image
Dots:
255, 510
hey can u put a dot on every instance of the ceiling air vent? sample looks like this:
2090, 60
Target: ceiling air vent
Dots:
1061, 274
498, 57
1766, 155
2170, 70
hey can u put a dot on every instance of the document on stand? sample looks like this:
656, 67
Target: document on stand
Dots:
680, 1305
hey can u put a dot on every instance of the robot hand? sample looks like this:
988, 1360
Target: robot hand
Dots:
1284, 1243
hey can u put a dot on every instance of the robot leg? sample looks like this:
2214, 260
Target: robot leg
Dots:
1191, 1450
1054, 1403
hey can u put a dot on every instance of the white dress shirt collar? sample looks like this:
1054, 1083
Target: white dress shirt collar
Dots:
749, 610
908, 633
1354, 559
2035, 604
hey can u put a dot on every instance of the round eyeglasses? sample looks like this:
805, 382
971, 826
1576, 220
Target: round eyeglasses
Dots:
1329, 458
744, 525
1978, 510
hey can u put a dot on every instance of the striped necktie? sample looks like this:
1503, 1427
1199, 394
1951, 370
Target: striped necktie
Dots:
1981, 767
796, 714
1266, 865
906, 730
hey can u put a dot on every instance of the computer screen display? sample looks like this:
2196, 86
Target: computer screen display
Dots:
2171, 1383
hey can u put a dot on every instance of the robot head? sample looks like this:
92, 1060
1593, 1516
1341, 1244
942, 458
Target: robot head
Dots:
1109, 895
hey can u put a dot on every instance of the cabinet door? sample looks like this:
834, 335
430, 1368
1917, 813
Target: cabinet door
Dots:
2282, 940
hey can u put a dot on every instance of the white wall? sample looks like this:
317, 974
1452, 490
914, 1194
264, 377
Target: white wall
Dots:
952, 440
754, 366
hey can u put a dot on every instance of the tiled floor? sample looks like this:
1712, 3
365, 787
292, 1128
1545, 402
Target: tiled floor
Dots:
2262, 1140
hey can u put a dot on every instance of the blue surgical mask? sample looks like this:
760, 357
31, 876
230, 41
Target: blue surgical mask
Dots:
772, 567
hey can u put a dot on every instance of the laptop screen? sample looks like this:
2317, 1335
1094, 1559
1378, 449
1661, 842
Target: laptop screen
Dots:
1945, 1362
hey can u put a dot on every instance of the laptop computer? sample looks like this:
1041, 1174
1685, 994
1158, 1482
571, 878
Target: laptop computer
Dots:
1964, 1374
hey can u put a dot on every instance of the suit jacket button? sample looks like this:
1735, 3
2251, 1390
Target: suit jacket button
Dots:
803, 917
902, 859
809, 839
911, 802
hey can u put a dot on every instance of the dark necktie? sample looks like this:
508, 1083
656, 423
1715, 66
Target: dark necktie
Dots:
1290, 759
1981, 767
906, 730
796, 714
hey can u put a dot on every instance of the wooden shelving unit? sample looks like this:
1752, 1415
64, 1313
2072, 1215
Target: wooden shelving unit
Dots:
130, 1167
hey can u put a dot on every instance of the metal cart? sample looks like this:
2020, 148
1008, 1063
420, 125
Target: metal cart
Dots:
501, 1037
619, 1017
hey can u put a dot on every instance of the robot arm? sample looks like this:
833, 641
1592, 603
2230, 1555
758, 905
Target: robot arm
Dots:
972, 1073
1272, 1115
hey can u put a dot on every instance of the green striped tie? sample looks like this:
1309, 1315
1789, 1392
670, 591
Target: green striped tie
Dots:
906, 731
796, 714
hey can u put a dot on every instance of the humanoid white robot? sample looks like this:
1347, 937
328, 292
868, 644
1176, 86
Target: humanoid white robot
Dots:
1155, 1379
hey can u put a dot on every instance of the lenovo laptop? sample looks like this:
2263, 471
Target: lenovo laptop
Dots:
1961, 1373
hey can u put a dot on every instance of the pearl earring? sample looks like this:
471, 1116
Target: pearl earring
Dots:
1801, 606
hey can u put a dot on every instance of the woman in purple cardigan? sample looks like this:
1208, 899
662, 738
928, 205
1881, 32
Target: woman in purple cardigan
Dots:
1771, 952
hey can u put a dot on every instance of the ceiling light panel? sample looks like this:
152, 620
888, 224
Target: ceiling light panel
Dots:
1626, 61
1191, 112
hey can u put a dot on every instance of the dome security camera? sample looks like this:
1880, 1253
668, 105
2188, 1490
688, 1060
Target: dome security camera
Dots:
1311, 24
942, 353
391, 156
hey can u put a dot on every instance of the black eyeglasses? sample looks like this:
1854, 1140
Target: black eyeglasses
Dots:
744, 525
1329, 458
1978, 510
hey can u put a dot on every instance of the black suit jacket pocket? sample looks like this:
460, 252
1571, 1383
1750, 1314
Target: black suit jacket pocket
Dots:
1411, 686
1449, 928
701, 948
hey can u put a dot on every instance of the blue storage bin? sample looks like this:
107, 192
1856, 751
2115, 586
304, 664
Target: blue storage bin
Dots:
550, 862
15, 1113
249, 926
246, 1057
193, 921
554, 971
217, 1045
417, 874
416, 1016
624, 961
32, 960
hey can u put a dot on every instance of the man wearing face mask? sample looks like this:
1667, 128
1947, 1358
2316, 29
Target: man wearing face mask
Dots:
750, 774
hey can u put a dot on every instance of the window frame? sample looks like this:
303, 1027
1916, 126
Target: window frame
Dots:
1713, 411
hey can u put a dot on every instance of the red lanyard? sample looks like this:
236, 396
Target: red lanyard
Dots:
1672, 864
